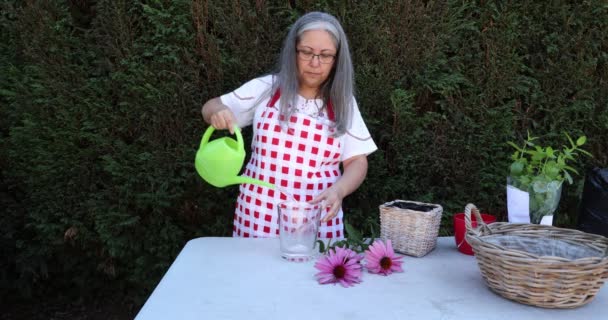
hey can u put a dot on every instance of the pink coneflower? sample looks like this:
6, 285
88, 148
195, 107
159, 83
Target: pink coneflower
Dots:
381, 258
339, 265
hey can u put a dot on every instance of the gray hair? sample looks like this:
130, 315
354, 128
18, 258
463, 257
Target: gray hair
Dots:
338, 88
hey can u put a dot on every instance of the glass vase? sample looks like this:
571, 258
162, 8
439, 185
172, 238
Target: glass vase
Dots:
543, 196
544, 199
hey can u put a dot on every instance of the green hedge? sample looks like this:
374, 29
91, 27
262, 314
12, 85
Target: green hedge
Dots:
100, 117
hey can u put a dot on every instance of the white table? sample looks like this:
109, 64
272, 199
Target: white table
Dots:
236, 278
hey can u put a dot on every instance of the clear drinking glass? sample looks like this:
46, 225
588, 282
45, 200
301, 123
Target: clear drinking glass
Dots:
298, 227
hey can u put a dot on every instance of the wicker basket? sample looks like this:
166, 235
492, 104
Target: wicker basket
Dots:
539, 265
411, 226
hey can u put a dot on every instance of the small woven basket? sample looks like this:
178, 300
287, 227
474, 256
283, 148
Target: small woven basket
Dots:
539, 265
411, 226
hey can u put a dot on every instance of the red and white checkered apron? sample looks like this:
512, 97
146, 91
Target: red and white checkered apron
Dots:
302, 159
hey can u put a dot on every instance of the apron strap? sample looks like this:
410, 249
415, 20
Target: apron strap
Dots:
275, 98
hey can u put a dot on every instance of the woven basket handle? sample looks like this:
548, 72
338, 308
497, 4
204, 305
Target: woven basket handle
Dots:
481, 225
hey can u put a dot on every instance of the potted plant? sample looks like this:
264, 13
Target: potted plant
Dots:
539, 171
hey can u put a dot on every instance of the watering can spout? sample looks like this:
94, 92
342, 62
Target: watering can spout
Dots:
219, 161
245, 179
227, 181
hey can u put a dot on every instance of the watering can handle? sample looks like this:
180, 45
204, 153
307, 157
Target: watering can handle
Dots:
239, 138
206, 136
210, 130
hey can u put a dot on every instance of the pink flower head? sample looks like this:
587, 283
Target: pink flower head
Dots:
339, 266
381, 258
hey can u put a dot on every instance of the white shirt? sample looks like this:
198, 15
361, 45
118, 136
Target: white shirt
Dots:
356, 141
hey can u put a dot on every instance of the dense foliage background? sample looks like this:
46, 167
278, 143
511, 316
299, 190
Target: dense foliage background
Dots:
100, 117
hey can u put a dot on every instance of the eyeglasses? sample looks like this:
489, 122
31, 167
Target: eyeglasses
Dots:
309, 55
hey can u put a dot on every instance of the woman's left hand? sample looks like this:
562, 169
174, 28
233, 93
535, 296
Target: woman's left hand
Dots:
355, 169
332, 198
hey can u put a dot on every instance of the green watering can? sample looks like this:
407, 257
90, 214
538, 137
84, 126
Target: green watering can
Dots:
219, 161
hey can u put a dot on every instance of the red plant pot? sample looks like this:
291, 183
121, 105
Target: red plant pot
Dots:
460, 229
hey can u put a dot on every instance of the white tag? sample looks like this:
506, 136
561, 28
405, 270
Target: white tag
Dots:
518, 205
547, 220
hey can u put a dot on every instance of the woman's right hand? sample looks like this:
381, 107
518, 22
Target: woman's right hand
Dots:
223, 119
218, 115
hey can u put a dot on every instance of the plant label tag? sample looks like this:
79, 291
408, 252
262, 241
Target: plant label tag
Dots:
518, 205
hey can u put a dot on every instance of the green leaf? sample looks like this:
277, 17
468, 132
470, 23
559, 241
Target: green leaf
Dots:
571, 169
585, 153
7, 93
569, 139
321, 245
530, 138
372, 232
581, 141
517, 168
515, 146
351, 232
568, 177
538, 156
552, 170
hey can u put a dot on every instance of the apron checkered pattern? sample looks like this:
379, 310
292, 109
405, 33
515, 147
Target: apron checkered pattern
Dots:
302, 159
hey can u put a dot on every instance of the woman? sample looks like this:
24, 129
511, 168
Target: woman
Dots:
305, 123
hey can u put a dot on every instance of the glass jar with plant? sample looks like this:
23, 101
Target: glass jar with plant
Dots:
540, 171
